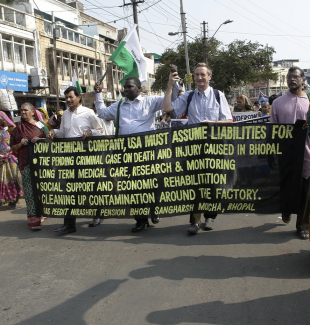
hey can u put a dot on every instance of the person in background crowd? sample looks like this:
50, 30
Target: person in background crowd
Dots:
256, 106
165, 121
107, 125
271, 99
10, 178
45, 117
29, 129
203, 107
288, 109
77, 121
107, 129
136, 114
55, 122
243, 104
265, 110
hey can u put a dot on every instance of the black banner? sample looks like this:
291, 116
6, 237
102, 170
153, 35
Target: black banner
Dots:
222, 168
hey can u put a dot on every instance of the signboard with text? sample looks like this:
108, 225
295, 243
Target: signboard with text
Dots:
250, 168
14, 80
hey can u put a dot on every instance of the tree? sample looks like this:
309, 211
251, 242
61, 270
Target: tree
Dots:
7, 2
238, 63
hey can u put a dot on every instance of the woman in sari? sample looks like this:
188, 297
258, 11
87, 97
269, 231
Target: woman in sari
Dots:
10, 178
45, 117
29, 129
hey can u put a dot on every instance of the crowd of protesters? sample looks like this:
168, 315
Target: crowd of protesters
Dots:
204, 104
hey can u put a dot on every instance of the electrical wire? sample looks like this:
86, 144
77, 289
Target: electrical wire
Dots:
256, 22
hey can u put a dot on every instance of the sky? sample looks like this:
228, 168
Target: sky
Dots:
277, 23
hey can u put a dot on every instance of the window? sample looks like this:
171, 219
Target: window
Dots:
7, 52
66, 67
48, 27
30, 56
90, 42
91, 72
252, 92
8, 15
64, 33
70, 35
83, 39
20, 18
98, 72
18, 52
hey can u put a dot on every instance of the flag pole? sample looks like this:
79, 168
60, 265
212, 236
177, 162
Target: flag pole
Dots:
108, 69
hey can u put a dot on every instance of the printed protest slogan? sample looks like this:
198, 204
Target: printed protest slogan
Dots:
251, 168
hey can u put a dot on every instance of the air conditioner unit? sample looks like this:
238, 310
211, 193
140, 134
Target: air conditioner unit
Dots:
38, 72
39, 82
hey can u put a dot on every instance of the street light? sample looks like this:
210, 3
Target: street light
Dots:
228, 21
177, 33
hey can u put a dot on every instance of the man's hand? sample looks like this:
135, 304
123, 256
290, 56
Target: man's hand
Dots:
50, 135
98, 87
305, 126
86, 134
173, 77
173, 68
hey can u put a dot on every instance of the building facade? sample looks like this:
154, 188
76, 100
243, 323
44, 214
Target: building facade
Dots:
268, 87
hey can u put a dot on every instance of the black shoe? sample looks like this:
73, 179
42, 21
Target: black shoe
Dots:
155, 220
65, 229
140, 226
95, 222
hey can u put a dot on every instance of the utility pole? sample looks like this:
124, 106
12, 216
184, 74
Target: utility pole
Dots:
205, 42
55, 61
268, 87
134, 5
185, 42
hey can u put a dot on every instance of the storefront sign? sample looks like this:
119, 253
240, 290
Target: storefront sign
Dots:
14, 80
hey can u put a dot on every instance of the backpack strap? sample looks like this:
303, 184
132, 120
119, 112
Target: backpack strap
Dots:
191, 94
117, 117
189, 99
217, 96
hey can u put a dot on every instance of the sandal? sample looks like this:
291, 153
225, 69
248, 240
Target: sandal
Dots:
304, 234
286, 219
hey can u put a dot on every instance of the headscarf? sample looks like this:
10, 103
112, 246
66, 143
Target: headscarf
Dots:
247, 103
4, 117
44, 112
37, 114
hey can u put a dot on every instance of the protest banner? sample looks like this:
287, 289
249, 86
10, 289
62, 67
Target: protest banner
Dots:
243, 116
225, 168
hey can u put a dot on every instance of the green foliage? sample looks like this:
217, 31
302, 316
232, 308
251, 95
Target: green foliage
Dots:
238, 63
6, 2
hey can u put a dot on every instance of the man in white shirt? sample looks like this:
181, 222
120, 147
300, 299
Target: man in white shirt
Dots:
205, 104
77, 121
137, 114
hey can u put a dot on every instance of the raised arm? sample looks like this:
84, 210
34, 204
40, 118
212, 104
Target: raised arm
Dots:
173, 77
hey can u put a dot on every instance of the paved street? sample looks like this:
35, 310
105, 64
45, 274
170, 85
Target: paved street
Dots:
250, 270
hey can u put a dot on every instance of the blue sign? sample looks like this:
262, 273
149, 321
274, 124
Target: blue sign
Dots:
14, 80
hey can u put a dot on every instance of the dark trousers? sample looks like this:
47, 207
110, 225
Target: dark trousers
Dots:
302, 222
69, 221
195, 217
